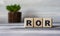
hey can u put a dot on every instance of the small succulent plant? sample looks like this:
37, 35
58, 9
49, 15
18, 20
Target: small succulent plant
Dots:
13, 8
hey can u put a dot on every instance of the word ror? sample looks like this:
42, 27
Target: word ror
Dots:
38, 22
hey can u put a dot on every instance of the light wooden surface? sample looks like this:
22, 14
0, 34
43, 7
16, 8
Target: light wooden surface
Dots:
18, 29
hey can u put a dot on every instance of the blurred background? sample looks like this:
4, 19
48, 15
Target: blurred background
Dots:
32, 8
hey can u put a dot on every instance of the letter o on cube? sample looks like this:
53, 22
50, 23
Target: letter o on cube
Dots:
38, 22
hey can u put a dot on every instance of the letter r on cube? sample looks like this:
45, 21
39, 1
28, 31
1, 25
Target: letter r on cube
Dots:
28, 22
47, 22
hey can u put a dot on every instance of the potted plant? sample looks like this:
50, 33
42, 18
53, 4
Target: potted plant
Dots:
14, 16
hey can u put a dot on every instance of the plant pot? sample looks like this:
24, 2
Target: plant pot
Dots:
14, 17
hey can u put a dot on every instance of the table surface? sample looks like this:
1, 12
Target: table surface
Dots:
18, 29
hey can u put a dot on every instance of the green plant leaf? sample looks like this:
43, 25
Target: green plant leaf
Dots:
13, 8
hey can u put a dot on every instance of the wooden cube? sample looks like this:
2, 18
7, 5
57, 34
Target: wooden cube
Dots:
28, 22
47, 22
38, 22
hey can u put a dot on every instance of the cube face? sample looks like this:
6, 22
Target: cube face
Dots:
47, 22
28, 22
38, 22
